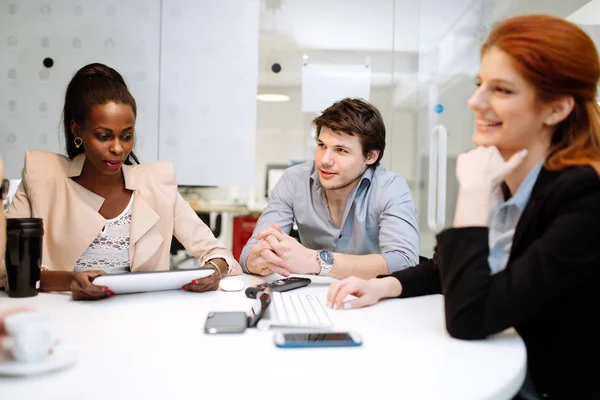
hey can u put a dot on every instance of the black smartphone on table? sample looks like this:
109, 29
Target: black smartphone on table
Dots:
281, 285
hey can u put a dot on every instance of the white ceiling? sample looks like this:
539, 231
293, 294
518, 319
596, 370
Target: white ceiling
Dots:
589, 14
364, 25
398, 39
385, 34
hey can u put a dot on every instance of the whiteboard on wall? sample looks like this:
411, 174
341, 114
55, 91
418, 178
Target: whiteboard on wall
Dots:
209, 77
121, 34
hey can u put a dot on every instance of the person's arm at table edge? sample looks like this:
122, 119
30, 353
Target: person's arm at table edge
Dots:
420, 280
279, 211
55, 281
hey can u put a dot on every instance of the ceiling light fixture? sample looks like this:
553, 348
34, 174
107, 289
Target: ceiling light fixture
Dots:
272, 97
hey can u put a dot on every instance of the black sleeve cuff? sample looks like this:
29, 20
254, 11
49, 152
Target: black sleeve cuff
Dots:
420, 280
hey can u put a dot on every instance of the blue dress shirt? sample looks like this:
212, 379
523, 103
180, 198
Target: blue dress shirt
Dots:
379, 217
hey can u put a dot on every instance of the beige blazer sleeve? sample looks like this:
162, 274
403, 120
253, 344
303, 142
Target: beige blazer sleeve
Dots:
20, 207
198, 239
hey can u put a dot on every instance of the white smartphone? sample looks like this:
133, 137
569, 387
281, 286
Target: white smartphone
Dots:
317, 339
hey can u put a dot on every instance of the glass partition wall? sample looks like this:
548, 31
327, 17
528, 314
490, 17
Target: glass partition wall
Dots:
420, 60
414, 60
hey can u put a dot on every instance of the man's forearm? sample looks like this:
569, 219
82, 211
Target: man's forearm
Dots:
362, 266
245, 255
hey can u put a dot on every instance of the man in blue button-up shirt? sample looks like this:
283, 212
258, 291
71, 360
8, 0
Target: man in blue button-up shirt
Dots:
353, 217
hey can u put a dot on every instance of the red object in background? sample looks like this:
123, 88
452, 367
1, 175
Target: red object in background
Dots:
243, 227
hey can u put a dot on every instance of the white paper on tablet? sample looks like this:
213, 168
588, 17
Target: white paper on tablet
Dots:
136, 282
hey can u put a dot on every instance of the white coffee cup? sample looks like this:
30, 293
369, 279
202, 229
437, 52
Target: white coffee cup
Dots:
30, 336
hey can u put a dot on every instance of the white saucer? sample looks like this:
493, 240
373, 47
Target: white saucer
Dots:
62, 356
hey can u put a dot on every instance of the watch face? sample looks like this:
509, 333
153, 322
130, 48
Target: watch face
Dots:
326, 257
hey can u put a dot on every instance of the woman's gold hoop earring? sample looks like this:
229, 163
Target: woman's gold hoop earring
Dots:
78, 142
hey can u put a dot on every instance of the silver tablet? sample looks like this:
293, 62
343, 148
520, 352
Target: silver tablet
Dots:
137, 282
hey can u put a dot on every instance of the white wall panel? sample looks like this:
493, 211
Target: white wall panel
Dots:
122, 34
209, 61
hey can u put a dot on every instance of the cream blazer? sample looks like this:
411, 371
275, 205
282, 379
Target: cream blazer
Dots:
72, 221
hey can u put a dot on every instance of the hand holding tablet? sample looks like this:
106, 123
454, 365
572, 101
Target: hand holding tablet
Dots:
137, 282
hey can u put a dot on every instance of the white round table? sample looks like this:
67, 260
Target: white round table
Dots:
153, 346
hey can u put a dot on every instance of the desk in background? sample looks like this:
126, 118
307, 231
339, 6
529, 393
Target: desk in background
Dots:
152, 346
236, 225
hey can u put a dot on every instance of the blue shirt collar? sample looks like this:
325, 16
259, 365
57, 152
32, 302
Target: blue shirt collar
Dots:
521, 197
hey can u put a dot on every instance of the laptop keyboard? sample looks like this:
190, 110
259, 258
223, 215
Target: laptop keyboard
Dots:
297, 310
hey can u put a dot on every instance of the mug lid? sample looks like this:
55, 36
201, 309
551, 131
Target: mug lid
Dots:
24, 223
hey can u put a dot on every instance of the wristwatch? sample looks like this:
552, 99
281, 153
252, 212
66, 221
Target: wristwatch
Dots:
325, 259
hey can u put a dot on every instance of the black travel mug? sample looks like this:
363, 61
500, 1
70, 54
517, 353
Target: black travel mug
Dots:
23, 255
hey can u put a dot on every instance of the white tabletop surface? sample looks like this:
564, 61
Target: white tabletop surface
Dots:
153, 346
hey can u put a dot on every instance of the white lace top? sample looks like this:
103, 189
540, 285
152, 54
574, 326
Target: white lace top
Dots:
110, 250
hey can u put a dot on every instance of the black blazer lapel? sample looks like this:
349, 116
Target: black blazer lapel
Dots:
531, 213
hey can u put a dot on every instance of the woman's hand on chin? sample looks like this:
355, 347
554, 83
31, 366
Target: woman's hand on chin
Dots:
484, 168
479, 171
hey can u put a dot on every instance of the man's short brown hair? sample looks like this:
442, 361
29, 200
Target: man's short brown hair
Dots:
355, 117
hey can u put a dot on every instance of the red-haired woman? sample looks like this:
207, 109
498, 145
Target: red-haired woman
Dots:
524, 249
